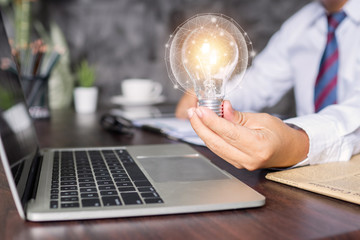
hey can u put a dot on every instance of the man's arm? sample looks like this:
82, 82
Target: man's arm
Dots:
334, 132
250, 140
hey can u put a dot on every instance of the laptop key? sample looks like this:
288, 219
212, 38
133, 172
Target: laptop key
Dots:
146, 189
68, 188
131, 198
120, 171
68, 174
102, 174
85, 176
124, 184
86, 180
70, 193
103, 178
111, 201
92, 202
119, 175
54, 191
153, 200
134, 171
124, 179
71, 183
68, 179
69, 199
150, 195
89, 195
105, 183
126, 189
107, 187
54, 204
99, 165
90, 189
97, 171
88, 171
108, 193
70, 205
114, 164
124, 156
88, 184
53, 196
143, 183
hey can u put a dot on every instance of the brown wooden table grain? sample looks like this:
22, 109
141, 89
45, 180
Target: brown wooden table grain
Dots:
289, 213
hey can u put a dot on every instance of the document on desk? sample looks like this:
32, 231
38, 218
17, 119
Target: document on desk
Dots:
337, 179
179, 129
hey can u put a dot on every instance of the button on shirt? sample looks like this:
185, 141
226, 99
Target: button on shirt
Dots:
291, 59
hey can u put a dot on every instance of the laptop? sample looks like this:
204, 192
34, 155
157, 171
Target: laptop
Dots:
109, 182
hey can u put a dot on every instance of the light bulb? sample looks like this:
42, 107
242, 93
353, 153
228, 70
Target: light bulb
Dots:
209, 53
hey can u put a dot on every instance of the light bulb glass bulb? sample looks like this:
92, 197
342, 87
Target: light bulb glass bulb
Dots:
209, 54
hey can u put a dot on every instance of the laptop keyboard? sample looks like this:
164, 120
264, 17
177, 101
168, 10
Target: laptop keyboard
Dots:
99, 178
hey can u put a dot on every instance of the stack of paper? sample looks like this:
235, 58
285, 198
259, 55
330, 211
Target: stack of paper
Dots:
174, 128
337, 179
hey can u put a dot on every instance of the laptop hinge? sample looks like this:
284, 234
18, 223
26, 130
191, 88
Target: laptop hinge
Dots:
33, 180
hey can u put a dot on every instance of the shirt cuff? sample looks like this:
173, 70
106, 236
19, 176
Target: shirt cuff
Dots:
324, 141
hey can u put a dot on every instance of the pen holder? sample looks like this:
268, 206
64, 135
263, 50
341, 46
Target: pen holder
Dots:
37, 96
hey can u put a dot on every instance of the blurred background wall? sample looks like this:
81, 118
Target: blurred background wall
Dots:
126, 38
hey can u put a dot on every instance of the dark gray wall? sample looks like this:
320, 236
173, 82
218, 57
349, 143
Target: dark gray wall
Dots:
126, 38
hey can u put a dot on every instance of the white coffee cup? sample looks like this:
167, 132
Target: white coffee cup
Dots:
141, 89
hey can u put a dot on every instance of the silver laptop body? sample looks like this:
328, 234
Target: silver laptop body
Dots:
168, 178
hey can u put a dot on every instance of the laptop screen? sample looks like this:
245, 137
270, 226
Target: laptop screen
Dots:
18, 142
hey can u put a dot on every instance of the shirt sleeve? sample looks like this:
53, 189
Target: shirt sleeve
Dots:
334, 132
268, 79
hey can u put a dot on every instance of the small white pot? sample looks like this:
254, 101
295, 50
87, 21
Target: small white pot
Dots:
85, 99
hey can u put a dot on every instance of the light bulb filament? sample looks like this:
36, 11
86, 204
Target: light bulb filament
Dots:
206, 74
205, 48
210, 88
213, 58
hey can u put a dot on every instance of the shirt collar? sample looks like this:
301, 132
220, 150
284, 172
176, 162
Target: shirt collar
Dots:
352, 10
318, 12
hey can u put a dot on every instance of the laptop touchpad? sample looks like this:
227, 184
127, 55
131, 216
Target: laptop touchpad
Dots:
180, 169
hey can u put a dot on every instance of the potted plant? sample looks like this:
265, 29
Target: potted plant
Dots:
85, 94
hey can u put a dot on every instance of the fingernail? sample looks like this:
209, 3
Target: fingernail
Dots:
199, 112
190, 112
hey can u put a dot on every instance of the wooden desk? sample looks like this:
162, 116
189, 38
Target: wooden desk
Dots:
289, 213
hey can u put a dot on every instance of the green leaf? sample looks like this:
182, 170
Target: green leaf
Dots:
85, 74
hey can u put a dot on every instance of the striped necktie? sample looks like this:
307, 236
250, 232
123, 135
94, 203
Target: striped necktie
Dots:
326, 81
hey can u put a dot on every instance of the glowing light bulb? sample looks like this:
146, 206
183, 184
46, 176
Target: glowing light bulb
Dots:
209, 53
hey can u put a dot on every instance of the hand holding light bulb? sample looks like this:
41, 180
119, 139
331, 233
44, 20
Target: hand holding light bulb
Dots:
249, 140
208, 54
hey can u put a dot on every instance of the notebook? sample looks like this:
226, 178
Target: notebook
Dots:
110, 182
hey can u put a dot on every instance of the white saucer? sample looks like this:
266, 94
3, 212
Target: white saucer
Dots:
121, 100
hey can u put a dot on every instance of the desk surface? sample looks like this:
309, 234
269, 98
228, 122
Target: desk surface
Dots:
289, 213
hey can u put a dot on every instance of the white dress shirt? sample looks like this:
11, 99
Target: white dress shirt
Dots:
291, 59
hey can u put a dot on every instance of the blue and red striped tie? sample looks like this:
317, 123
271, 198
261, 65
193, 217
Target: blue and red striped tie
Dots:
326, 81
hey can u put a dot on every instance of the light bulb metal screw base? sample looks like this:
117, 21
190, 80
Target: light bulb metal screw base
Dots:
215, 105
